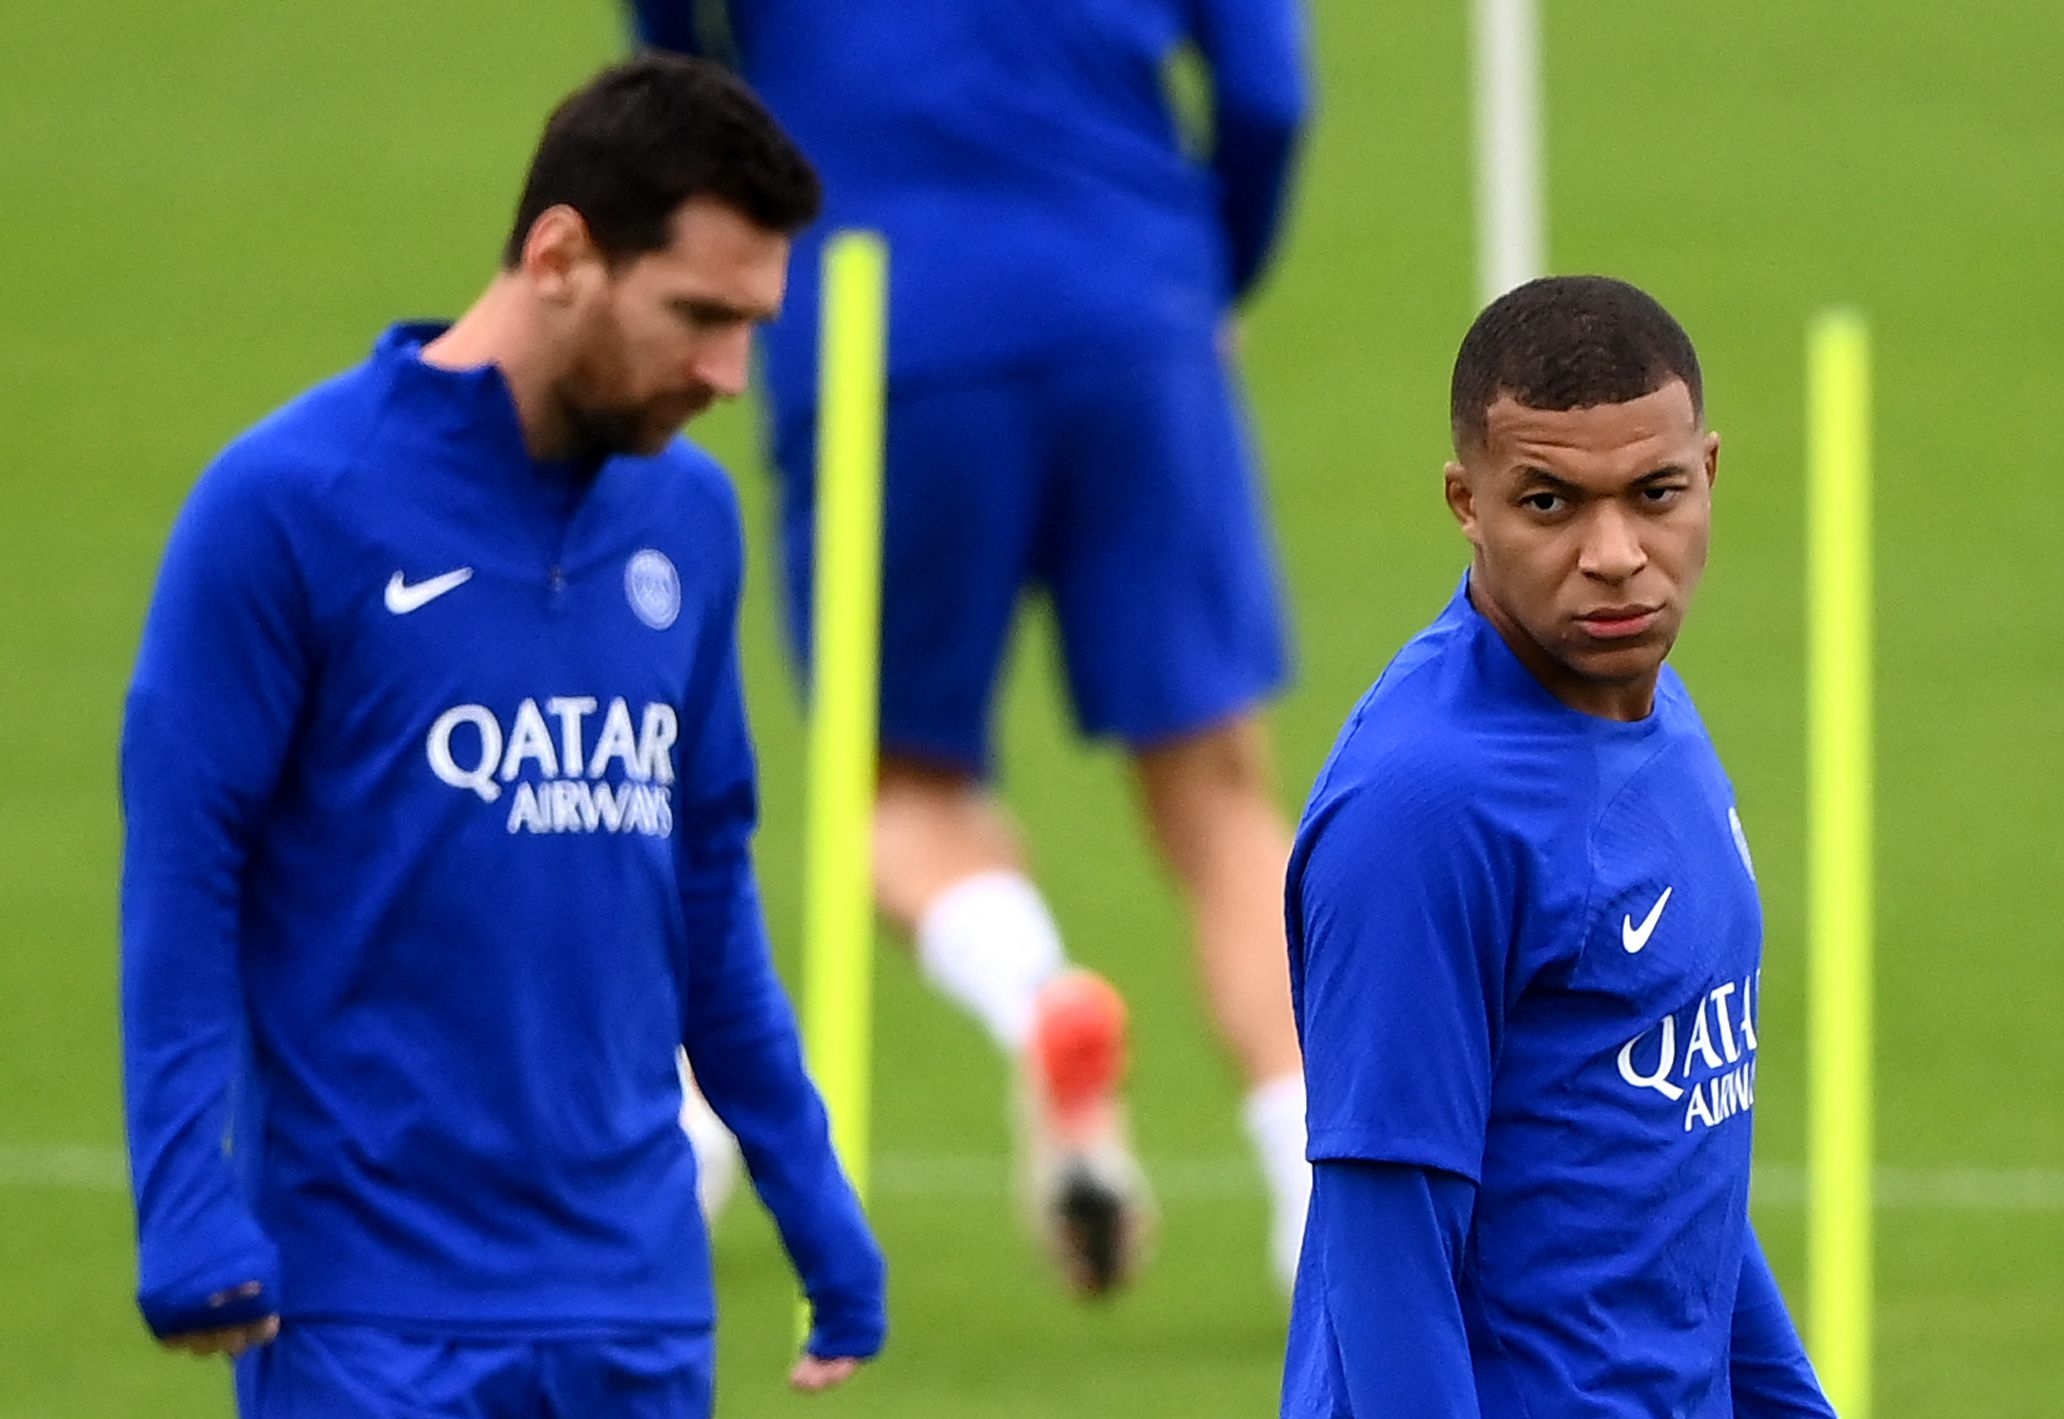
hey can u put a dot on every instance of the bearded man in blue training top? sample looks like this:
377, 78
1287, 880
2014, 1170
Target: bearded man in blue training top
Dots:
439, 801
1526, 949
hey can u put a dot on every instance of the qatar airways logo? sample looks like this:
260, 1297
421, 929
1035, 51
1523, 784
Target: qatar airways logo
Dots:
584, 767
1713, 1074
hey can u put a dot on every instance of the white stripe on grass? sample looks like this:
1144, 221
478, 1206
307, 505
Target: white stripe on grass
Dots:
84, 1167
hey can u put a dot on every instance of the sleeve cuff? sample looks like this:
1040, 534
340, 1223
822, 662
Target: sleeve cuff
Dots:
186, 1305
848, 1337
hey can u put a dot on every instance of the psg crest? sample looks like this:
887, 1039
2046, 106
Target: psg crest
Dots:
653, 588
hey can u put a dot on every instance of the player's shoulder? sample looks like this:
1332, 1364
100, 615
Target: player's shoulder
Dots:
1420, 717
287, 462
1427, 744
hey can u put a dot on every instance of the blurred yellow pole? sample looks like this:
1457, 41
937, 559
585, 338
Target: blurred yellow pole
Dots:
838, 910
1839, 855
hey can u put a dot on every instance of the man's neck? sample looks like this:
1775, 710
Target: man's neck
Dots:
498, 329
1623, 701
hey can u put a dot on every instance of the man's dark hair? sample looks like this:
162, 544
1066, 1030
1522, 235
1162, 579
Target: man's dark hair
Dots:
1568, 342
640, 138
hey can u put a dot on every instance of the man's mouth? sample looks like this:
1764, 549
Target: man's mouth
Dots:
1618, 623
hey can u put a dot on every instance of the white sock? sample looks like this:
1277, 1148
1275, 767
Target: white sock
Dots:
988, 943
1274, 1114
717, 1163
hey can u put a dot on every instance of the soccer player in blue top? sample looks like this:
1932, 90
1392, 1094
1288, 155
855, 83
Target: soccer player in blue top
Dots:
1062, 418
1526, 949
439, 801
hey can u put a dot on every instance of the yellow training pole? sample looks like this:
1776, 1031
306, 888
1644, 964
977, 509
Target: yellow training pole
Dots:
838, 909
1839, 757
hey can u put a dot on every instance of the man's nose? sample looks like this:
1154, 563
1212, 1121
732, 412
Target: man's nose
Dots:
1612, 549
724, 361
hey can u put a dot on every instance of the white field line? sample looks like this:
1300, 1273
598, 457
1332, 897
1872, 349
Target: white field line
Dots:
78, 1167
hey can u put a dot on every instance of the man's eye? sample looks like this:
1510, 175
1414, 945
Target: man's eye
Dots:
697, 316
1662, 494
1543, 502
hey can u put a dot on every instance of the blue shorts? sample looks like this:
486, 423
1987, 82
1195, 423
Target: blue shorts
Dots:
323, 1370
1122, 485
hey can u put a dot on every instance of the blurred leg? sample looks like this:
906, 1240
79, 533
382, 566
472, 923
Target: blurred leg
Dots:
1210, 807
949, 870
934, 826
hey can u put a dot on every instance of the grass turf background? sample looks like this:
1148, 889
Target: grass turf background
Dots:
206, 207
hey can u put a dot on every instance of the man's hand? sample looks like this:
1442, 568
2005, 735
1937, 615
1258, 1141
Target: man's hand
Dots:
812, 1375
230, 1340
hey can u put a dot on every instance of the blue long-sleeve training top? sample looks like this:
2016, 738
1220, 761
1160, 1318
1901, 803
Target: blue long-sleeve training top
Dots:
1026, 162
439, 794
1526, 959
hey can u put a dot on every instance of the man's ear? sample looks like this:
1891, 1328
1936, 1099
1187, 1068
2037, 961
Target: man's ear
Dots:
1461, 498
556, 251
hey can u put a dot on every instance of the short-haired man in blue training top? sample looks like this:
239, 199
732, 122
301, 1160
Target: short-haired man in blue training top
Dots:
1525, 942
439, 802
1061, 417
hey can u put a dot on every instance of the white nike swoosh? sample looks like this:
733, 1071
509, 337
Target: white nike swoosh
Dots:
403, 598
1633, 937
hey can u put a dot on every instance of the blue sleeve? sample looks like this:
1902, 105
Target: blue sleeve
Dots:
1377, 1305
1400, 918
1260, 96
666, 24
740, 1032
1770, 1373
212, 712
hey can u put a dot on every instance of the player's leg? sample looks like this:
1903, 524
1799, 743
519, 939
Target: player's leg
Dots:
1210, 804
965, 494
951, 869
1209, 801
1170, 610
950, 872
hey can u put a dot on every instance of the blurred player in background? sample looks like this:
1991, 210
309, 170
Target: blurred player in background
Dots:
1525, 936
439, 800
1061, 416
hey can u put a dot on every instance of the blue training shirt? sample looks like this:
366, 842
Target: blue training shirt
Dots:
439, 796
1525, 958
1024, 160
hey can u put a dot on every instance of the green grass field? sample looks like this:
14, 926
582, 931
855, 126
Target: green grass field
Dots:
205, 207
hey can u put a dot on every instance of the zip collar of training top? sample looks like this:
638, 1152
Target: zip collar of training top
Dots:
469, 414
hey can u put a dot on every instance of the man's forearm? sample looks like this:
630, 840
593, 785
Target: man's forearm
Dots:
181, 1027
741, 1039
1388, 1239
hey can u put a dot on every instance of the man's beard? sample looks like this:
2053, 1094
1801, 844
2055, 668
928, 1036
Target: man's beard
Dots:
595, 432
599, 428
